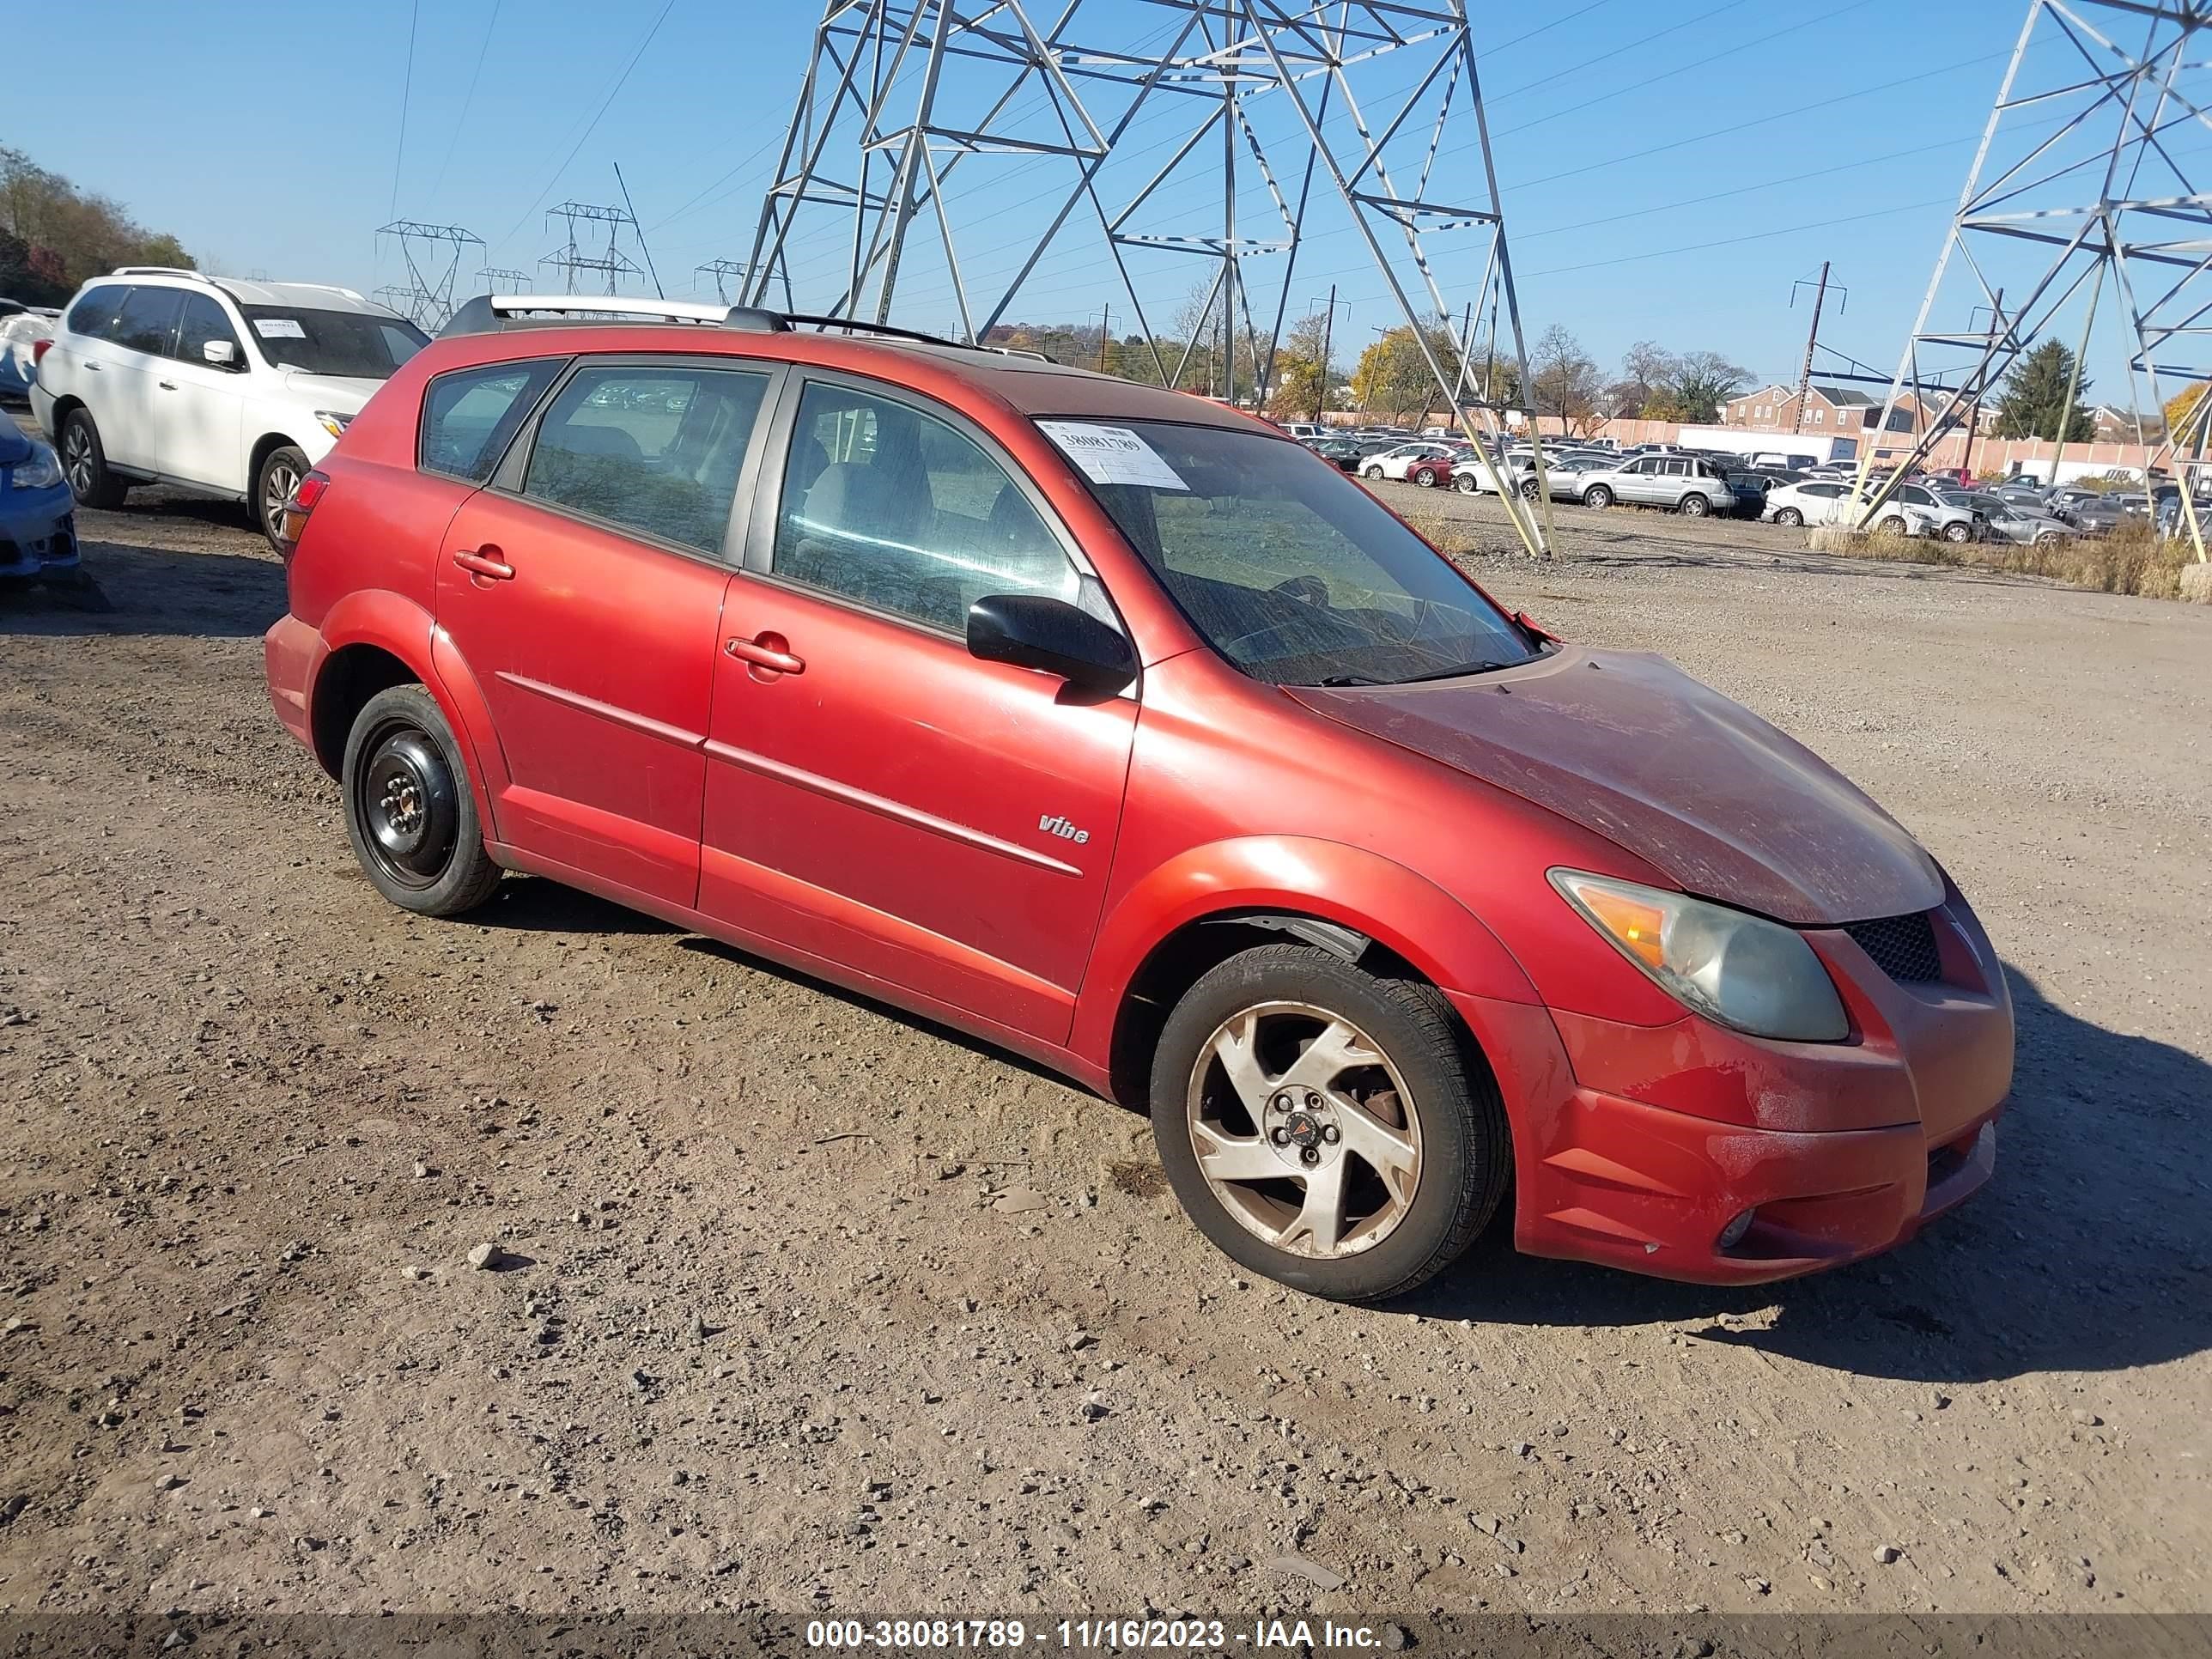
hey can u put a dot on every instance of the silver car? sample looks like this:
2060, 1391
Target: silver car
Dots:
1686, 483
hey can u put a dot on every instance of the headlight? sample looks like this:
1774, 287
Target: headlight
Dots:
333, 422
42, 471
1741, 971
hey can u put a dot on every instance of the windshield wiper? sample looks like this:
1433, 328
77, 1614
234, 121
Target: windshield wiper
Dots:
1347, 679
1456, 672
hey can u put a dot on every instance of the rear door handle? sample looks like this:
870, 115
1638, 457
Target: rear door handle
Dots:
93, 367
485, 561
166, 386
768, 651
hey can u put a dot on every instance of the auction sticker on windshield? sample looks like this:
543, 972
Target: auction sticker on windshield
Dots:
1112, 454
279, 328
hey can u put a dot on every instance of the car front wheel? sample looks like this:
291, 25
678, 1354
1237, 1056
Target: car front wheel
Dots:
1466, 484
84, 463
1597, 496
1373, 474
1425, 477
1894, 527
1326, 1127
282, 469
1958, 533
410, 813
1790, 516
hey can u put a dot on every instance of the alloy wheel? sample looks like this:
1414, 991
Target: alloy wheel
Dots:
76, 458
278, 480
1304, 1130
406, 801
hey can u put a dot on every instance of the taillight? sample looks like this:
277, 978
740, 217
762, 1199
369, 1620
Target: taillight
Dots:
297, 507
38, 350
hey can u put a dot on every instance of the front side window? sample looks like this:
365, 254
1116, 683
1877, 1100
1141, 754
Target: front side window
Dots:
94, 315
1294, 574
357, 344
471, 415
655, 449
902, 512
147, 318
202, 323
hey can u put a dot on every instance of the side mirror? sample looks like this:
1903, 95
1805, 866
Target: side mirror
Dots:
1052, 636
223, 354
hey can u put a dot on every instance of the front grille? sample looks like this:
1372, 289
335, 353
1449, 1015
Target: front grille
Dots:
1904, 947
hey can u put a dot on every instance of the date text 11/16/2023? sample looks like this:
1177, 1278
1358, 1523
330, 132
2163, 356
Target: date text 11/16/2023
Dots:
1119, 1635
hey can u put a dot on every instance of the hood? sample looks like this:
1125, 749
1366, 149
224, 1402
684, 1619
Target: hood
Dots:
343, 394
14, 445
1628, 747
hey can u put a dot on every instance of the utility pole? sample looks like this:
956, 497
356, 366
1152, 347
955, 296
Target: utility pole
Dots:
1328, 334
659, 292
1105, 333
1812, 340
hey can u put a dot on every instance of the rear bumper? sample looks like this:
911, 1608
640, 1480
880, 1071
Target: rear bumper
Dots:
1637, 1148
291, 651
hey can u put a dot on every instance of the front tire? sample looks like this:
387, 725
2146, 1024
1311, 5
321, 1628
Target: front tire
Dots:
1958, 533
1466, 484
410, 812
84, 463
274, 481
1894, 527
1791, 517
1597, 496
1325, 1127
1425, 477
1373, 474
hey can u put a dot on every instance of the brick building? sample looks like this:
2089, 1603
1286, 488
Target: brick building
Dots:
1830, 410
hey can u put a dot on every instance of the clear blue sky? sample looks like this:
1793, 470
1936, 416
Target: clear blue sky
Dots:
270, 143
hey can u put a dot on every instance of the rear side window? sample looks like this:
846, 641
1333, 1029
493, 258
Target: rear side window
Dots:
150, 317
653, 449
471, 415
94, 315
902, 512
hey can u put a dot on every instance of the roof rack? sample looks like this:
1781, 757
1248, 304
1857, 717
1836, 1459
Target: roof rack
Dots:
489, 314
160, 270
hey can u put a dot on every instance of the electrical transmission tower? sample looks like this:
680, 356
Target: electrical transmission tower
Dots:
572, 256
722, 273
2082, 187
432, 254
1232, 132
499, 279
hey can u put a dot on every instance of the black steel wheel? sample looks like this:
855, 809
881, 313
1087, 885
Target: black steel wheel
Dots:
410, 813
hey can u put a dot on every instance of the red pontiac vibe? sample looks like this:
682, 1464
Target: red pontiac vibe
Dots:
1113, 726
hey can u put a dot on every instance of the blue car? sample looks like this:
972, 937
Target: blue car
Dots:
38, 522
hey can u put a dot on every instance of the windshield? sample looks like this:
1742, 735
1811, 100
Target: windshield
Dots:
1294, 573
356, 344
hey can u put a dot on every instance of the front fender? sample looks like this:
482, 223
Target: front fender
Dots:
1444, 940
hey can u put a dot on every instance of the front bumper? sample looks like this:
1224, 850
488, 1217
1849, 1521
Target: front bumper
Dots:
38, 532
1637, 1147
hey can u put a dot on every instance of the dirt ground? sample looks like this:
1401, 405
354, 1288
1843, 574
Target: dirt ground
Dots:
765, 1342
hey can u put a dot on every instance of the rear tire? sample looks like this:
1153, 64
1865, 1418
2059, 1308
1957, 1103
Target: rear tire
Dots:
84, 463
1407, 1096
410, 814
1695, 506
274, 481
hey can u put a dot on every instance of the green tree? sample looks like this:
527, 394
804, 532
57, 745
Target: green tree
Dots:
52, 236
1701, 382
1302, 379
2034, 401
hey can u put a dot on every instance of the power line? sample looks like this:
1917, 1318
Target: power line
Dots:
468, 101
406, 93
597, 115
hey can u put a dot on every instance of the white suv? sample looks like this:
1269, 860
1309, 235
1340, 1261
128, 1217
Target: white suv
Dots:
231, 388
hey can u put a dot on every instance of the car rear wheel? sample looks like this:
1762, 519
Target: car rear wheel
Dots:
1790, 516
282, 469
84, 463
1425, 476
1326, 1127
1597, 496
1529, 490
410, 813
1696, 507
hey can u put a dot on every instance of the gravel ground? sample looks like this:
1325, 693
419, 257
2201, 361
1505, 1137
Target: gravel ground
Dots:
777, 1324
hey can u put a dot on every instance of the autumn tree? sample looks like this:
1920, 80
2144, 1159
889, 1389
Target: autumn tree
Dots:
2180, 406
1394, 372
53, 236
2034, 405
1303, 379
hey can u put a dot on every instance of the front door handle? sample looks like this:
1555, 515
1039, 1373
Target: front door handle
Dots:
485, 561
768, 651
166, 386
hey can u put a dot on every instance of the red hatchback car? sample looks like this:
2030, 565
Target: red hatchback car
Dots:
1115, 727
